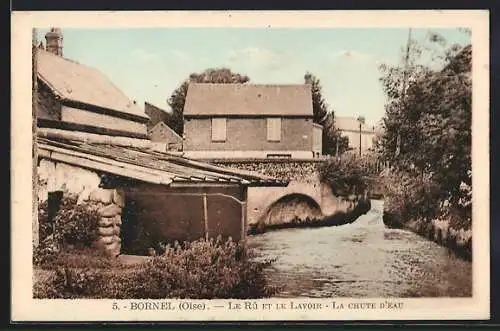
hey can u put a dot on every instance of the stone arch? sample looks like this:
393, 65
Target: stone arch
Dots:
289, 207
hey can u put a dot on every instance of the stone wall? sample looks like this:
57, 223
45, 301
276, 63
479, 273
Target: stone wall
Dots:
85, 185
110, 223
289, 170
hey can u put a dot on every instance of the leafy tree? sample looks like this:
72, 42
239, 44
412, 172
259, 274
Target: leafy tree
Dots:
333, 143
427, 125
178, 98
320, 106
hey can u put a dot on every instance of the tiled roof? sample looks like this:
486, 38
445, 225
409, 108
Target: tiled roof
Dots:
248, 99
352, 124
144, 164
73, 81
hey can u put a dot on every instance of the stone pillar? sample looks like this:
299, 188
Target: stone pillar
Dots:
112, 201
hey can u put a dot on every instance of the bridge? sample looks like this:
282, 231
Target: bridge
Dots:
301, 200
305, 197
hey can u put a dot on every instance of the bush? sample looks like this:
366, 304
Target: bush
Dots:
417, 197
72, 226
197, 270
345, 176
76, 224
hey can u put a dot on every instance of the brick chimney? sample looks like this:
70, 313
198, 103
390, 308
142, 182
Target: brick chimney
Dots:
54, 41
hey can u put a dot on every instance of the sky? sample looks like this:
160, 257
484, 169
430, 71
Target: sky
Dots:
149, 64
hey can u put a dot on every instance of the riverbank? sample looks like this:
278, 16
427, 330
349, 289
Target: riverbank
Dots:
439, 230
364, 259
339, 218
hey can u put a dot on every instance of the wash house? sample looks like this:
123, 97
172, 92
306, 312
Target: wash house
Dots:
145, 196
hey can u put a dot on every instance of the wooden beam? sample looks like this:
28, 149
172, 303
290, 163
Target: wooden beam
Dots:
105, 111
121, 169
94, 138
109, 168
53, 124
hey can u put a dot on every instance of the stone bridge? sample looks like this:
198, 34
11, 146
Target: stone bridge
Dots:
305, 197
303, 200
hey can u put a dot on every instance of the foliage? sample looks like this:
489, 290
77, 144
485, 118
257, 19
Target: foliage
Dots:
177, 100
198, 270
427, 127
346, 176
332, 141
73, 225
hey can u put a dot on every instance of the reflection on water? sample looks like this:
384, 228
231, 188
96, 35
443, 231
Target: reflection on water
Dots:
361, 259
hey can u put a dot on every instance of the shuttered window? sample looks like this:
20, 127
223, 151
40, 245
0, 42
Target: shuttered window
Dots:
218, 129
274, 129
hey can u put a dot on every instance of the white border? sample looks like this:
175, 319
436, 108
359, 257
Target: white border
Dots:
24, 308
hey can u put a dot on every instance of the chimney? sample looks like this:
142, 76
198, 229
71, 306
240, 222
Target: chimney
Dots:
54, 41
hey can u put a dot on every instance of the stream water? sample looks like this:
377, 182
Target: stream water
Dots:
361, 259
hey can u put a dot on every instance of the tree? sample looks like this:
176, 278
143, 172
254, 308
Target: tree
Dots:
418, 61
177, 100
332, 142
320, 106
427, 122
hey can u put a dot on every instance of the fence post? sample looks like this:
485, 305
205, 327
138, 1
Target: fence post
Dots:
205, 214
243, 220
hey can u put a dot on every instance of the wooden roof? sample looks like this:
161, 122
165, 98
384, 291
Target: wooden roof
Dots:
248, 100
73, 81
137, 159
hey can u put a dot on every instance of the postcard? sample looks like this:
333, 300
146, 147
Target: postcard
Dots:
250, 166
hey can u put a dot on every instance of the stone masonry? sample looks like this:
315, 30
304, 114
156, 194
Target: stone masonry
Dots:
83, 183
110, 222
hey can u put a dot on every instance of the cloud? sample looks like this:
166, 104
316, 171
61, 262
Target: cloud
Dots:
259, 57
143, 55
351, 56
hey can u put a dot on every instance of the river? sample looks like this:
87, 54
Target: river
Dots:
361, 259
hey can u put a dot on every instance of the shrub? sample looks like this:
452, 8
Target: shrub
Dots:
197, 270
74, 225
345, 176
414, 196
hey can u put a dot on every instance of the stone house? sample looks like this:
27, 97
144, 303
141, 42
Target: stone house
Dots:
159, 131
77, 97
139, 190
350, 128
155, 114
250, 121
162, 133
93, 144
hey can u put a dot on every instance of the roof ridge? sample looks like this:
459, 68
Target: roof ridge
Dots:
250, 84
130, 107
67, 59
155, 105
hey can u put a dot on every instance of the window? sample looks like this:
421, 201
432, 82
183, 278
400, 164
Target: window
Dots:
219, 129
274, 129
